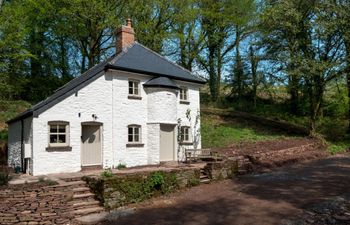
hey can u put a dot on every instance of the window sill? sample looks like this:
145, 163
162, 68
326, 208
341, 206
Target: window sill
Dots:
186, 143
184, 102
137, 145
134, 97
59, 149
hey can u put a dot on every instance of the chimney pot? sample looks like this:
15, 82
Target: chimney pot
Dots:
125, 36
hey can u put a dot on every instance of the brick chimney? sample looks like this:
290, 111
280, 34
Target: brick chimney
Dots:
125, 36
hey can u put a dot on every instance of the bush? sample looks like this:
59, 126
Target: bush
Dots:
121, 166
107, 173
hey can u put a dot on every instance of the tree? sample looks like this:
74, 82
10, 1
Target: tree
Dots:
219, 22
300, 39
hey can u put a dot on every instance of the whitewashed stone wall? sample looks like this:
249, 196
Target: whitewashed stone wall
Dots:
194, 108
95, 98
162, 105
153, 138
14, 144
14, 141
107, 98
126, 112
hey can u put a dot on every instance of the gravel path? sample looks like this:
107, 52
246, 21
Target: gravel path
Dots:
271, 198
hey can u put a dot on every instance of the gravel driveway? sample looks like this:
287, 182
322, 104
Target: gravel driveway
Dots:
270, 198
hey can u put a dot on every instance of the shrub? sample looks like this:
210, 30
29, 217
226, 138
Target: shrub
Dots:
194, 182
121, 166
107, 173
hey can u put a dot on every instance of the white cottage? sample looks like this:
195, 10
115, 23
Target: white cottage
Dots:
136, 108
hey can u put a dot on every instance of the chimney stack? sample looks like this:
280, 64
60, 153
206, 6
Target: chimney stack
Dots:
125, 36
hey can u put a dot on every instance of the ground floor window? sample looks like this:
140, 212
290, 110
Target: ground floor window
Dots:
58, 133
185, 134
134, 134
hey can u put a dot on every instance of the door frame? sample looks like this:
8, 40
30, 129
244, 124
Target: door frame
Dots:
174, 138
91, 123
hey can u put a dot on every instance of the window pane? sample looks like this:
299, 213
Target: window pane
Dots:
137, 130
131, 91
130, 138
61, 138
53, 138
136, 90
130, 131
136, 139
62, 129
53, 128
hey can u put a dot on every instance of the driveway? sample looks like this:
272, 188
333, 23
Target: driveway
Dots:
269, 198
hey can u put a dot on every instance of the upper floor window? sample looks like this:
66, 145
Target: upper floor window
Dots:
58, 133
183, 94
185, 134
134, 88
134, 134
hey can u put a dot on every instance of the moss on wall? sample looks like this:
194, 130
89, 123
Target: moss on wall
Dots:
119, 190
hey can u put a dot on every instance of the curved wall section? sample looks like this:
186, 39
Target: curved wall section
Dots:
162, 105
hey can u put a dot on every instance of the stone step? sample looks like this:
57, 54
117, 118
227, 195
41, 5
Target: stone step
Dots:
87, 211
92, 219
83, 196
85, 204
81, 190
205, 181
70, 179
73, 184
203, 176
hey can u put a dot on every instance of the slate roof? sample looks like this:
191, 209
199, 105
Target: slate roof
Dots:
161, 82
137, 59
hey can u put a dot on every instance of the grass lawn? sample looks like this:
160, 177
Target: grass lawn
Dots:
219, 131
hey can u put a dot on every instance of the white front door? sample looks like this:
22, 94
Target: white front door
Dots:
167, 142
91, 154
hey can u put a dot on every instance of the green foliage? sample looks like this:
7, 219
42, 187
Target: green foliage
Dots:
3, 136
138, 187
107, 173
121, 166
194, 182
216, 132
338, 147
9, 109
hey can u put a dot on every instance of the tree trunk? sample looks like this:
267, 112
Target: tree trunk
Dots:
347, 72
294, 95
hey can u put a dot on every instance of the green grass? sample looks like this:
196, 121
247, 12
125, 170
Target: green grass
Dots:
8, 110
335, 148
218, 132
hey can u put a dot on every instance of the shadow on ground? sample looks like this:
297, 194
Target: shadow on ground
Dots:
253, 199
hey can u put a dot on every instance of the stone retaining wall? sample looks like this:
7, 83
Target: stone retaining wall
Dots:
31, 204
122, 189
221, 170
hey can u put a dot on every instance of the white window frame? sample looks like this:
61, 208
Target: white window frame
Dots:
58, 124
133, 134
135, 86
183, 94
185, 134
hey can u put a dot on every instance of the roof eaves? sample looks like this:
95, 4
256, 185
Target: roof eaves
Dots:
109, 66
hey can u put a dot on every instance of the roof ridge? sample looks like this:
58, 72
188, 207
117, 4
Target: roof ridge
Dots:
162, 57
